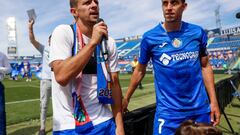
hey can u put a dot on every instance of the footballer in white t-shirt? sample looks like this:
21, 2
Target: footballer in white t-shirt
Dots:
61, 49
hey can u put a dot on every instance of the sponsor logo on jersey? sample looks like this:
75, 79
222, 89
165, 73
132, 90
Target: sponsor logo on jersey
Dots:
177, 42
185, 55
163, 44
165, 58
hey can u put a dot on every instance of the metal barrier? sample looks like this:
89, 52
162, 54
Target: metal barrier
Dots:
140, 121
224, 92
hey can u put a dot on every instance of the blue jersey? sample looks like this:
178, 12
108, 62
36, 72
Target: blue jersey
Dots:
180, 90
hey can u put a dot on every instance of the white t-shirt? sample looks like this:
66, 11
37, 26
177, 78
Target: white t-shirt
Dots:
46, 70
60, 49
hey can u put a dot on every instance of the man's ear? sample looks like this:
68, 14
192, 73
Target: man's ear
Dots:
73, 11
185, 6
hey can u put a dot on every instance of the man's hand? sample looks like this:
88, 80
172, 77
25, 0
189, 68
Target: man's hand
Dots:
125, 103
215, 114
120, 131
30, 24
99, 30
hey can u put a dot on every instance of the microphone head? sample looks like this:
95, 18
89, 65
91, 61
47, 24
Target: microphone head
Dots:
238, 15
99, 20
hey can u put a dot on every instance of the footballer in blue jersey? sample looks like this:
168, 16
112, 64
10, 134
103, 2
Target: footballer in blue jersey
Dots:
179, 85
184, 80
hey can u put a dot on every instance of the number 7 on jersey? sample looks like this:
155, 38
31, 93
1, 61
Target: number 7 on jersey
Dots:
161, 122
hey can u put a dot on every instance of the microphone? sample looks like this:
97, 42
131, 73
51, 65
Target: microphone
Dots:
104, 43
238, 15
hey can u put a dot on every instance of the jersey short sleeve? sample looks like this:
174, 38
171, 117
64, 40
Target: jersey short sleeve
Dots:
203, 45
113, 55
144, 52
61, 43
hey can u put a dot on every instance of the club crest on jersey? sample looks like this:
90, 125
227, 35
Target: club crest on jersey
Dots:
177, 42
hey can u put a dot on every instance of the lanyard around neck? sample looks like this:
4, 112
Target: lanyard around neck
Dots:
79, 43
78, 39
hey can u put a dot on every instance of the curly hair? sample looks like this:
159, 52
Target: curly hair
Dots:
190, 127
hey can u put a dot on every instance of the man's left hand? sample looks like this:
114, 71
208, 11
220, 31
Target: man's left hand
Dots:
215, 114
120, 131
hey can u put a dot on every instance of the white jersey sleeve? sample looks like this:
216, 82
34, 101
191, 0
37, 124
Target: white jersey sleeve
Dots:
61, 43
113, 55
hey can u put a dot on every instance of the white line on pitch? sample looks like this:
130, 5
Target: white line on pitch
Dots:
33, 100
22, 101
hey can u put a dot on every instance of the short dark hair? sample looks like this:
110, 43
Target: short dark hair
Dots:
73, 3
190, 127
183, 1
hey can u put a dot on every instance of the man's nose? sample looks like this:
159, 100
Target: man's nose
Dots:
169, 6
94, 4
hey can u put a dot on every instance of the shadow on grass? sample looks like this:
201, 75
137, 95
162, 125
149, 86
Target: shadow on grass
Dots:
26, 131
224, 129
233, 115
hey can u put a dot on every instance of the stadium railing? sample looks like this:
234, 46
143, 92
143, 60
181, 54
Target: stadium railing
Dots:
224, 90
140, 121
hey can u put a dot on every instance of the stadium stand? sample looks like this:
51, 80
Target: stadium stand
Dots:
224, 52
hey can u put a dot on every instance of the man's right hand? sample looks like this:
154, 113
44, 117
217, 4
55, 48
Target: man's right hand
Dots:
99, 30
30, 24
125, 103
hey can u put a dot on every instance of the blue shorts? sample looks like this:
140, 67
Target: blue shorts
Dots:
162, 126
105, 128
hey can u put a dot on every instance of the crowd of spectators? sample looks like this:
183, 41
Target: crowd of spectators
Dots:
222, 59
